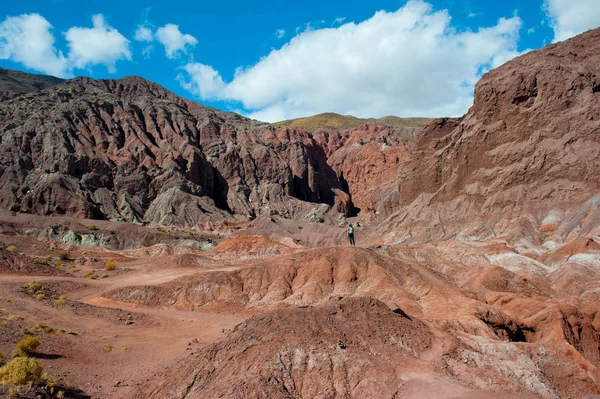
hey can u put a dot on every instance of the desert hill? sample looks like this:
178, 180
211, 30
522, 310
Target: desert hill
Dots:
15, 82
331, 120
221, 268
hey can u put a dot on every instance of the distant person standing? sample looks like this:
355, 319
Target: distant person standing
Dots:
351, 234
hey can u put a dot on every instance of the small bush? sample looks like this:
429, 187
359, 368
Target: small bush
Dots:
34, 246
61, 300
52, 247
108, 348
110, 265
91, 274
26, 347
93, 227
104, 276
21, 371
32, 288
73, 270
12, 248
40, 297
40, 327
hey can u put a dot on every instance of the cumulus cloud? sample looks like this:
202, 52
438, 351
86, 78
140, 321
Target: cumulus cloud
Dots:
143, 34
410, 62
99, 45
280, 33
569, 18
27, 39
205, 81
174, 41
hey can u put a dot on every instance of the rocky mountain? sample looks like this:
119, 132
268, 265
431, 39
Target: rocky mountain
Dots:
131, 150
15, 82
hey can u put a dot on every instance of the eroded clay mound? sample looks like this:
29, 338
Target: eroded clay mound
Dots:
245, 246
350, 348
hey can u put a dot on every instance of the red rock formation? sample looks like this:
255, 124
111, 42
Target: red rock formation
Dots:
531, 141
130, 150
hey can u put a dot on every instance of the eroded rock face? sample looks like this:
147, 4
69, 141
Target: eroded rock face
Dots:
531, 141
130, 150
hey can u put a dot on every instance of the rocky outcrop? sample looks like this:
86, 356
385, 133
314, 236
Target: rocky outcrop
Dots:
531, 141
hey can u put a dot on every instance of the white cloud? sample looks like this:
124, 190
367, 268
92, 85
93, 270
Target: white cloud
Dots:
174, 41
143, 34
205, 81
339, 20
101, 44
27, 39
569, 18
410, 62
280, 33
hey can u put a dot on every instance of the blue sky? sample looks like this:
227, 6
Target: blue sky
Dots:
272, 60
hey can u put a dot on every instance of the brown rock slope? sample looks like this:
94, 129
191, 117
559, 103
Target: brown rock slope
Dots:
529, 144
350, 348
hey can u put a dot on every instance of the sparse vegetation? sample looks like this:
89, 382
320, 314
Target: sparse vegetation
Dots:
73, 270
61, 300
26, 347
40, 327
110, 265
335, 121
2, 360
21, 371
32, 288
52, 247
91, 274
108, 348
40, 297
11, 248
93, 227
104, 276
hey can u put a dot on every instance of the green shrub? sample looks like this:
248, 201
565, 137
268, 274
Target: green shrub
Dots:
21, 371
12, 248
26, 347
93, 227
